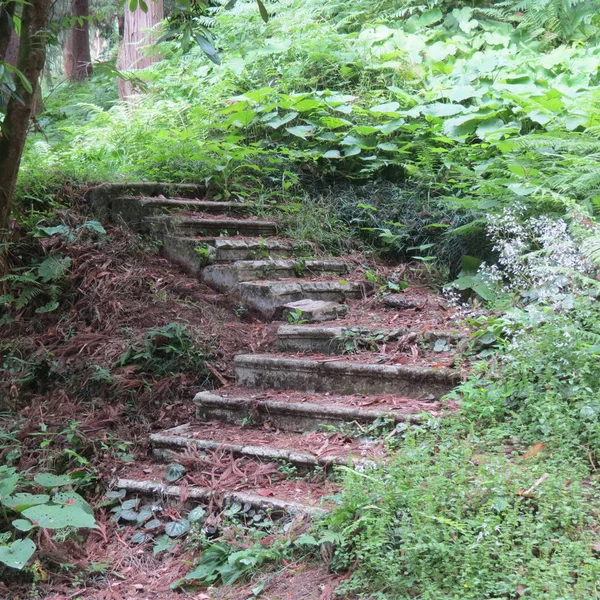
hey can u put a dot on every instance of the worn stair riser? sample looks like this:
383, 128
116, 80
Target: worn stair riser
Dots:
269, 298
336, 340
287, 416
193, 227
275, 506
134, 211
105, 199
342, 377
165, 448
194, 254
227, 277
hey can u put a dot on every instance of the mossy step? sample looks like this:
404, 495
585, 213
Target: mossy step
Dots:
194, 253
105, 198
269, 297
227, 277
299, 414
342, 376
197, 226
335, 340
134, 211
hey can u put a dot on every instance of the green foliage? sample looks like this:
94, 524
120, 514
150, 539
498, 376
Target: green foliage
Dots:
545, 383
165, 351
451, 519
24, 512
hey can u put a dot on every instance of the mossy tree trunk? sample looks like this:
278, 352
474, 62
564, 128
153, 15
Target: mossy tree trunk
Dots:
31, 59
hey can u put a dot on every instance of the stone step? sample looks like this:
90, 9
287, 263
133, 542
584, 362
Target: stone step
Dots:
305, 451
197, 226
105, 198
194, 253
295, 411
336, 340
227, 277
269, 297
262, 500
342, 376
313, 311
134, 211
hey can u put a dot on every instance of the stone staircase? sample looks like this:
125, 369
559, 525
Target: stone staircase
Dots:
293, 407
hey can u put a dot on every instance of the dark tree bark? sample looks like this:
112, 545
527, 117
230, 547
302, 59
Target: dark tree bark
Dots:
78, 60
32, 55
7, 10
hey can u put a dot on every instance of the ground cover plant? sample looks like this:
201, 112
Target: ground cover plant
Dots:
460, 137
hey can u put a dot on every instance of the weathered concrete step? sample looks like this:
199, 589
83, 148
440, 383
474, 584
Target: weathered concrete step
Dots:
342, 376
106, 197
194, 253
336, 340
272, 445
269, 297
240, 407
273, 505
227, 277
313, 311
134, 211
196, 226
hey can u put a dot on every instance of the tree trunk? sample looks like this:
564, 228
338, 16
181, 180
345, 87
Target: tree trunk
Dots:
32, 55
137, 36
80, 42
6, 13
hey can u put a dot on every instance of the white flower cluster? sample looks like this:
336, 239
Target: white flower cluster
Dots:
537, 258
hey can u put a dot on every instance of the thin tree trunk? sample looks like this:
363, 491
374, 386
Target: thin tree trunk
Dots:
137, 36
80, 41
32, 55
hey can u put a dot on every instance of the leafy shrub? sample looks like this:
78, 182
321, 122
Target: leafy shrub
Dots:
165, 351
24, 512
449, 520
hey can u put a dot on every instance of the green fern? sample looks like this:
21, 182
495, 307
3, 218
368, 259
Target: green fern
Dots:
591, 248
564, 19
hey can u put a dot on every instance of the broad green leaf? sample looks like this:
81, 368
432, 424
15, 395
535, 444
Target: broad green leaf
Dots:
489, 127
392, 126
277, 122
19, 502
332, 154
196, 514
48, 480
94, 226
50, 516
440, 109
302, 131
23, 525
177, 528
307, 105
388, 107
17, 554
72, 499
174, 472
50, 231
8, 482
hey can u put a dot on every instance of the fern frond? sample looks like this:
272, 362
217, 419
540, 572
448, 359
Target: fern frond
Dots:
27, 294
591, 248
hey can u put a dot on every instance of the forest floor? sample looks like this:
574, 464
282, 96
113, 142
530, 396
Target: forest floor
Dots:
79, 405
